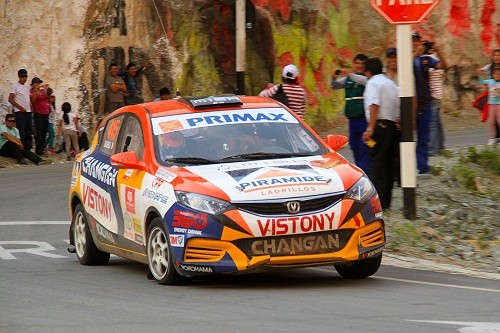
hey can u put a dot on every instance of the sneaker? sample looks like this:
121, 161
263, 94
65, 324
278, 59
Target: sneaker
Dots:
491, 142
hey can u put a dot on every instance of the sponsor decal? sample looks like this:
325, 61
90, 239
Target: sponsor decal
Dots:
155, 196
197, 269
372, 253
164, 174
177, 240
157, 182
298, 190
189, 121
296, 224
130, 200
127, 174
128, 221
105, 233
188, 231
100, 171
326, 164
283, 181
295, 245
189, 220
97, 202
139, 238
74, 173
137, 225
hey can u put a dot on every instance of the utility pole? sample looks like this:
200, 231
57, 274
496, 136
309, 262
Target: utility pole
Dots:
240, 46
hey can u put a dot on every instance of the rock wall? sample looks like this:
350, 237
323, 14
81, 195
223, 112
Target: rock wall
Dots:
190, 45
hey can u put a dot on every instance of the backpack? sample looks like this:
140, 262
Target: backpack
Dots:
280, 95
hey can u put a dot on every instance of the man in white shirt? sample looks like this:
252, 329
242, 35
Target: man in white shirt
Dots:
19, 97
382, 111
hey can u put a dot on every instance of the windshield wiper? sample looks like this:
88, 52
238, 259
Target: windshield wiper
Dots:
258, 156
189, 160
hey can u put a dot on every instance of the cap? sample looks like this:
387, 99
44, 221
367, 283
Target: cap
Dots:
36, 79
290, 72
415, 35
173, 139
391, 51
22, 71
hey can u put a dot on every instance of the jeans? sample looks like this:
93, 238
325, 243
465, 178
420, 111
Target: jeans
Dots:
436, 133
423, 121
359, 149
41, 129
24, 123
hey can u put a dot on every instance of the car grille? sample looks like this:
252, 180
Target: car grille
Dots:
279, 208
373, 238
203, 254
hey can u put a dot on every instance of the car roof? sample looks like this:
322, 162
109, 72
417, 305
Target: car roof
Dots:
211, 103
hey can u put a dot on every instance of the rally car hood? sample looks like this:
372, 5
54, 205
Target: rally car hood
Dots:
277, 178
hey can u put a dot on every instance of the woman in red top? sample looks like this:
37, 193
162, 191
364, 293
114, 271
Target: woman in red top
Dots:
41, 110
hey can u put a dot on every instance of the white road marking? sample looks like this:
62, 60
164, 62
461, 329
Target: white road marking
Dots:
436, 284
33, 222
468, 327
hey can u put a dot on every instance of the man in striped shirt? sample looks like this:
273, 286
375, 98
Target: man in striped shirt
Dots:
295, 93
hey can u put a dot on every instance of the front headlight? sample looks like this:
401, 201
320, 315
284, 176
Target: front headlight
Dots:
203, 203
360, 191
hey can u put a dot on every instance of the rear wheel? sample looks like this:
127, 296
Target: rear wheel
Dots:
85, 248
160, 259
359, 269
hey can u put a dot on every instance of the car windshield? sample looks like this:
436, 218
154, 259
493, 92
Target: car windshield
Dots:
232, 136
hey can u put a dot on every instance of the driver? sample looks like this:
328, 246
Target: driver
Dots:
171, 144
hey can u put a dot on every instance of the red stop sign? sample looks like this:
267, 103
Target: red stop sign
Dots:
404, 11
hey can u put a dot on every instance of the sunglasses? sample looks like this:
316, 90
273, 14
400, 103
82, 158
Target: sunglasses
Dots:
11, 121
23, 75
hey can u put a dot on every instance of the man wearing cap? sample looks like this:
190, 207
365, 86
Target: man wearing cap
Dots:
296, 95
391, 64
354, 87
421, 65
41, 110
19, 97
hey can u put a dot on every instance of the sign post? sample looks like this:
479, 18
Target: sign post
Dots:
403, 13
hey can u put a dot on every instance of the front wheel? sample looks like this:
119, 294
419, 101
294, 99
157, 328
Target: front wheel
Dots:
160, 259
359, 269
86, 251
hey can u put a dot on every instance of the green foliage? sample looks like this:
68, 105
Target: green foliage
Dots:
404, 234
465, 175
487, 158
436, 170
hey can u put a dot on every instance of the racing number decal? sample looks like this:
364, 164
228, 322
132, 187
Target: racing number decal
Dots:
114, 127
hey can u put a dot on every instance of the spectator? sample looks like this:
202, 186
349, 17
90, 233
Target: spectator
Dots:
164, 95
487, 71
12, 146
19, 97
49, 142
391, 60
354, 87
383, 115
493, 104
41, 110
295, 93
421, 65
436, 79
70, 129
130, 78
115, 89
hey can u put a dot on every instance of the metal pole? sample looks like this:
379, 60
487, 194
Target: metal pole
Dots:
407, 146
240, 45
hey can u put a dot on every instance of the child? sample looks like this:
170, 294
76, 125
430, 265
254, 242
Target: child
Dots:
494, 104
49, 142
70, 128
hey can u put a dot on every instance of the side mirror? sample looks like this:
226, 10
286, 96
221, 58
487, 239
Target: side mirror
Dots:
127, 160
336, 142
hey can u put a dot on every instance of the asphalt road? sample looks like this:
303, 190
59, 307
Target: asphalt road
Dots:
43, 288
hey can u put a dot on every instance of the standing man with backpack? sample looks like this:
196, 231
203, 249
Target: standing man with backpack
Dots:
290, 92
354, 87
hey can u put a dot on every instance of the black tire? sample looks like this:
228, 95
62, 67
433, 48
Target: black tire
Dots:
86, 251
359, 269
160, 261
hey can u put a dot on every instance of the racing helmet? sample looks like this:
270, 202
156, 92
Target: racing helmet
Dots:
173, 139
